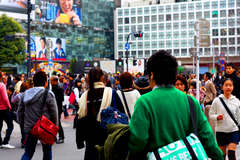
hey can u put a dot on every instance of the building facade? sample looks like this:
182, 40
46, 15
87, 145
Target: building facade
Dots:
171, 27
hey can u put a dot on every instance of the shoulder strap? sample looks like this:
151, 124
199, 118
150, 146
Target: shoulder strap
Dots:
44, 99
193, 117
125, 101
229, 112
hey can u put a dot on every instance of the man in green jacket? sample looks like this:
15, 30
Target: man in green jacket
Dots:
162, 116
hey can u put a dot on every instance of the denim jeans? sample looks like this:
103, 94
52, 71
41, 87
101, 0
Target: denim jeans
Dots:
5, 115
30, 146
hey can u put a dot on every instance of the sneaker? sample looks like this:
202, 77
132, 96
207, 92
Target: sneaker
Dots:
0, 146
8, 146
60, 141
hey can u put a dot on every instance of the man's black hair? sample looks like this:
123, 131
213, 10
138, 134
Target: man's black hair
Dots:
17, 77
230, 64
39, 79
145, 72
44, 39
163, 66
208, 74
59, 41
54, 73
59, 75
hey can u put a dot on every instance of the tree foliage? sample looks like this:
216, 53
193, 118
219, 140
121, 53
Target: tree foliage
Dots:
72, 63
11, 51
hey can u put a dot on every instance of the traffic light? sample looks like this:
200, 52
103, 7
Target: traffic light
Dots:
139, 34
120, 62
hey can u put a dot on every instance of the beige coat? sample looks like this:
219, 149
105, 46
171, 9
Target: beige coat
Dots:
18, 86
211, 92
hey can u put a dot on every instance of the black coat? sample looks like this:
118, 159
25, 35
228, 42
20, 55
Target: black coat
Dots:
218, 82
59, 96
88, 128
236, 79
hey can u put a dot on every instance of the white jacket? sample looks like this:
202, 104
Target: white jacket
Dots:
227, 124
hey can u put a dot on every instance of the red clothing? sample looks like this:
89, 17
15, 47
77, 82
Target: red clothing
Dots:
4, 102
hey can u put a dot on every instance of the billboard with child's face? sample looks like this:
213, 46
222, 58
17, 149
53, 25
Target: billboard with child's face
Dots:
61, 11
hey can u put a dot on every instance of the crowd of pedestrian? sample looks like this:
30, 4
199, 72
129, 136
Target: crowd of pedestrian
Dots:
155, 102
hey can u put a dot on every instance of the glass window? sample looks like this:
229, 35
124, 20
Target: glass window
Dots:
168, 26
231, 41
126, 12
168, 35
161, 35
126, 35
133, 46
134, 53
191, 34
206, 5
120, 12
120, 54
238, 31
154, 44
120, 37
215, 32
183, 25
139, 19
176, 52
140, 53
215, 5
120, 29
183, 34
183, 43
154, 10
175, 34
238, 12
160, 9
191, 15
231, 22
120, 46
168, 17
146, 19
154, 51
224, 49
154, 27
176, 8
140, 45
161, 18
133, 20
169, 51
147, 36
161, 44
223, 4
154, 18
154, 35
126, 29
139, 11
190, 6
215, 42
183, 16
223, 13
168, 44
238, 3
126, 20
214, 14
190, 24
238, 21
223, 22
146, 27
231, 13
140, 27
146, 10
214, 23
176, 43
161, 26
231, 50
231, 31
168, 8
206, 14
133, 11
231, 3
223, 32
147, 53
183, 52
176, 17
147, 44
198, 6
238, 40
207, 51
120, 21
198, 15
183, 7
176, 25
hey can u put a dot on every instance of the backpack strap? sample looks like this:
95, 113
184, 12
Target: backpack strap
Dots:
44, 99
125, 101
193, 117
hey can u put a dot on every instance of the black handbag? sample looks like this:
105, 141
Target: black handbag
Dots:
230, 114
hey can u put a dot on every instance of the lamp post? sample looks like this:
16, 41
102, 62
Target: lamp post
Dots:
29, 7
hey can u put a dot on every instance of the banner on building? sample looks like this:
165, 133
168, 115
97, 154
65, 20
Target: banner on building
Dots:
136, 67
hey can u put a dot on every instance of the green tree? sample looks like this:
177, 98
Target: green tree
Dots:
11, 51
72, 63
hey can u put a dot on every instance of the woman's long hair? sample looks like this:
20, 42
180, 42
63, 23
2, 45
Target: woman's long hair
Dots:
94, 75
78, 87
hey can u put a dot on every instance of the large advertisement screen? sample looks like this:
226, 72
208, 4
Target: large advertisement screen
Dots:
16, 6
61, 11
43, 47
134, 68
108, 66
